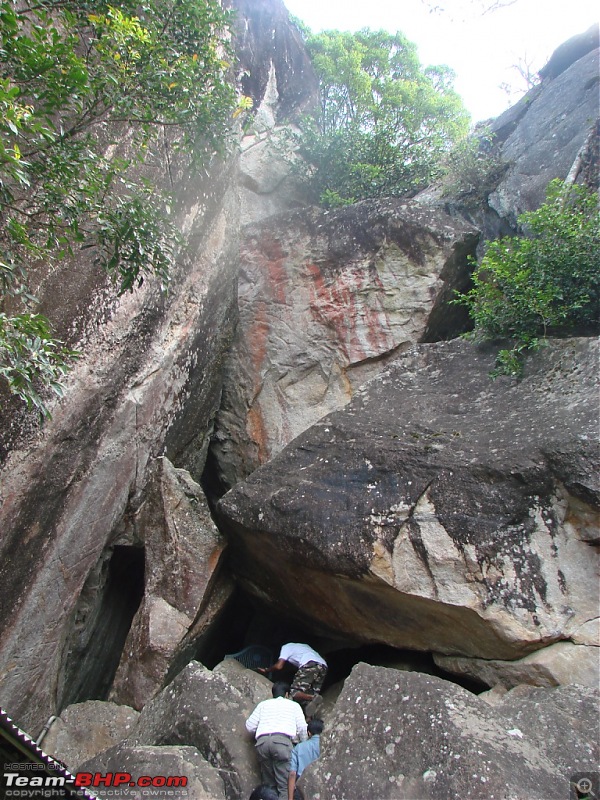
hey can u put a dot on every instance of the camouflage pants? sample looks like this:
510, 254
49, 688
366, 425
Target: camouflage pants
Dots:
309, 678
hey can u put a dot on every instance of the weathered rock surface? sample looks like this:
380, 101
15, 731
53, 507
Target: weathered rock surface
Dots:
324, 299
555, 665
563, 722
147, 385
407, 736
318, 317
187, 775
389, 734
439, 510
184, 552
201, 709
86, 729
251, 684
272, 60
543, 133
283, 85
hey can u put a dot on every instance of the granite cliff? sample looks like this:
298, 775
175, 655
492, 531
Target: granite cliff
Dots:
295, 442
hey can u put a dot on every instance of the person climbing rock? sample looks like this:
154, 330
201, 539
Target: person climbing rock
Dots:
311, 669
304, 754
275, 723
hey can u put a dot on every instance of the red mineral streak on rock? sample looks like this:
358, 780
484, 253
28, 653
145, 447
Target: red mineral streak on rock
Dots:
343, 306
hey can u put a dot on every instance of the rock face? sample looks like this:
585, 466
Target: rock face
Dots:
184, 552
407, 736
541, 136
273, 61
278, 75
148, 384
85, 729
319, 315
186, 773
389, 734
324, 299
201, 709
439, 510
555, 665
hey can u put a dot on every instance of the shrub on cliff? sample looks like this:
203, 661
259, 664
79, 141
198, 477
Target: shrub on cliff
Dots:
384, 121
545, 282
76, 79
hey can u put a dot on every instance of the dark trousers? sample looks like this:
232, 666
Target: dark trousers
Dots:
274, 751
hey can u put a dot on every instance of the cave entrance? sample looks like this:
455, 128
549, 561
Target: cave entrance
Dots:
247, 622
100, 624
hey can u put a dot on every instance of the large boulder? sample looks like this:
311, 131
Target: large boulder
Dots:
176, 773
440, 510
184, 552
86, 729
202, 709
408, 736
541, 136
554, 665
325, 298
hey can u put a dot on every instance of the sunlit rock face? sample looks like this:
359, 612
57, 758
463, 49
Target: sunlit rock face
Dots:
324, 299
439, 510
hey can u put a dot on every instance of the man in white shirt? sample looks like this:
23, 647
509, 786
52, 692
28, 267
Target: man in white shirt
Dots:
311, 670
275, 724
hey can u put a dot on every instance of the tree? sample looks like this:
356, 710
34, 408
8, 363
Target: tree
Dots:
547, 282
467, 7
526, 78
75, 76
384, 121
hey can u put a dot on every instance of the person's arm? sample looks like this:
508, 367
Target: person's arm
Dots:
279, 664
301, 729
293, 774
253, 720
291, 784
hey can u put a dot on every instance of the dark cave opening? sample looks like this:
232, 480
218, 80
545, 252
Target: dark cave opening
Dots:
247, 622
100, 625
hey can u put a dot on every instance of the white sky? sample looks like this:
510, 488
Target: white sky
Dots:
481, 48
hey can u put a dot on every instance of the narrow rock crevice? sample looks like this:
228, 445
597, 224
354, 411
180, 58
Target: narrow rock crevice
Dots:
99, 626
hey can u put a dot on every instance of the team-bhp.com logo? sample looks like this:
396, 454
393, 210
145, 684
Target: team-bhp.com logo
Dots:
19, 785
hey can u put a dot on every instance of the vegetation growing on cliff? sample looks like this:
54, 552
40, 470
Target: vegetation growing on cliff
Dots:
546, 282
77, 78
384, 122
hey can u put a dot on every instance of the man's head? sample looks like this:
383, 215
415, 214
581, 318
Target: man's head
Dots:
280, 689
315, 727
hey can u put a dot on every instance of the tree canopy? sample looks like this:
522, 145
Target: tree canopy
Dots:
384, 121
75, 75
